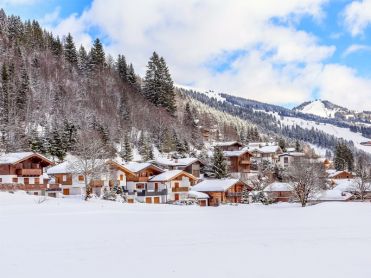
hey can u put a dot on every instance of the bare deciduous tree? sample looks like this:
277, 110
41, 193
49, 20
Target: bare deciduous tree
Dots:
306, 179
89, 159
362, 181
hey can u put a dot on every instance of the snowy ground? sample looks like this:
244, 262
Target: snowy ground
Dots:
72, 238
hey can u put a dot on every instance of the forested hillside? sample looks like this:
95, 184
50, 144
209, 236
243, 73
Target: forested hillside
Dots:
52, 88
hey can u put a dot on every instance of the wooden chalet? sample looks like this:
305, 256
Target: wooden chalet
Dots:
279, 192
238, 162
24, 171
222, 190
190, 165
228, 146
138, 185
73, 183
177, 184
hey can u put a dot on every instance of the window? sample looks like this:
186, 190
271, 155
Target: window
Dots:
37, 180
26, 180
64, 178
286, 160
140, 186
176, 184
15, 180
121, 177
1, 179
81, 178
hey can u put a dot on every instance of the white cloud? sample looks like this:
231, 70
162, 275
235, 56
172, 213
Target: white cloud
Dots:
279, 64
357, 16
355, 48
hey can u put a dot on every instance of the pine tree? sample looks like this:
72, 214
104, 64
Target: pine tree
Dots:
219, 165
167, 94
36, 143
343, 157
83, 60
56, 147
22, 95
297, 146
142, 144
158, 85
245, 195
122, 68
282, 144
131, 76
97, 56
126, 150
70, 52
57, 47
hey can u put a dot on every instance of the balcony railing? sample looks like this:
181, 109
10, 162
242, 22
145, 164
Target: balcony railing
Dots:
29, 172
152, 193
180, 189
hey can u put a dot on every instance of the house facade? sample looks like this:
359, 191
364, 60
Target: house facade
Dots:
285, 160
24, 171
190, 165
238, 163
279, 192
229, 146
177, 184
72, 182
266, 153
222, 190
138, 186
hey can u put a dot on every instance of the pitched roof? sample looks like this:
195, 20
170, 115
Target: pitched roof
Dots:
235, 153
172, 174
62, 168
212, 185
198, 195
333, 195
137, 167
298, 154
226, 144
278, 186
14, 158
176, 162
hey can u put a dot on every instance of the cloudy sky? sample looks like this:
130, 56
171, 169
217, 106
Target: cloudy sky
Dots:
283, 52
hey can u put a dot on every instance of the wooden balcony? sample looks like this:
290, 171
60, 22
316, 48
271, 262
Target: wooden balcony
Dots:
29, 172
180, 189
152, 193
233, 194
143, 179
245, 162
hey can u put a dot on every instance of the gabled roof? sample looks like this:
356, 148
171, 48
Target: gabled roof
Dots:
137, 167
170, 175
334, 173
66, 167
236, 153
296, 154
177, 162
226, 144
278, 186
215, 185
198, 195
17, 157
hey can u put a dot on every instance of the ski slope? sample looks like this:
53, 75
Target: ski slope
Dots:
336, 131
62, 238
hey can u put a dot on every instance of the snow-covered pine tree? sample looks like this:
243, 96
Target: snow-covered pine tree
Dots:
122, 68
83, 60
219, 165
245, 195
126, 152
131, 76
70, 52
167, 92
97, 56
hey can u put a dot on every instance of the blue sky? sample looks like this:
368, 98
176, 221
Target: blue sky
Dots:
286, 54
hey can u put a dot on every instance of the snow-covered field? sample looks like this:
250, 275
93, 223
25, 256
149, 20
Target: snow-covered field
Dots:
73, 238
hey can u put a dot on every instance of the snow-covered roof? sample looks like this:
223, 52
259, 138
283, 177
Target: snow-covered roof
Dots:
290, 150
293, 154
268, 149
333, 195
278, 186
169, 175
137, 167
234, 153
198, 195
176, 162
226, 144
344, 185
12, 158
62, 168
334, 173
211, 185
